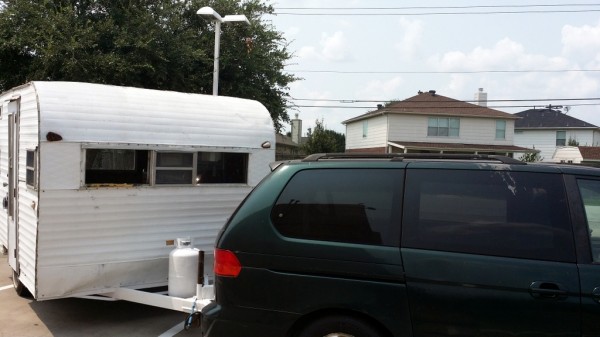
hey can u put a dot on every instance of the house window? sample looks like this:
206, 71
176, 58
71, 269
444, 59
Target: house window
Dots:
500, 129
365, 127
443, 127
116, 166
561, 138
31, 164
174, 168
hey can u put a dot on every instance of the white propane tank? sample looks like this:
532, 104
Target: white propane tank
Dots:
183, 269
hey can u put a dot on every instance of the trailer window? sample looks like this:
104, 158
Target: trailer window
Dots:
116, 166
30, 164
222, 168
174, 168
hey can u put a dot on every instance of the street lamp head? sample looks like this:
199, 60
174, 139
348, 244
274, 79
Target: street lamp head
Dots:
236, 18
209, 13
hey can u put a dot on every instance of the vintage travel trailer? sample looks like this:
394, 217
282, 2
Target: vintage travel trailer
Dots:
98, 181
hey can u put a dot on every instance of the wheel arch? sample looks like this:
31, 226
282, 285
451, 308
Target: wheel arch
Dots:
305, 320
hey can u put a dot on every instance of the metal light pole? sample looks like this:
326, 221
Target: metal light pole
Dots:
211, 14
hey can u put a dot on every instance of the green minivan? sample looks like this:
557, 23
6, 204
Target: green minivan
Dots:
411, 245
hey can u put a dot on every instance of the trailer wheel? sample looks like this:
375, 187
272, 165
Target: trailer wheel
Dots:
339, 326
19, 287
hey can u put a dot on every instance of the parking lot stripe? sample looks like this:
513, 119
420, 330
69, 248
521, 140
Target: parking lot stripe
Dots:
5, 287
173, 331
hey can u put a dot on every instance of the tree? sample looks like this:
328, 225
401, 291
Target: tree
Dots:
573, 142
157, 44
531, 157
322, 140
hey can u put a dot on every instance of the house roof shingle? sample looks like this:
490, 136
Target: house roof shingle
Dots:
548, 118
590, 152
430, 103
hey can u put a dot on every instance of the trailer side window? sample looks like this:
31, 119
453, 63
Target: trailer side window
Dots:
222, 168
30, 164
174, 168
116, 166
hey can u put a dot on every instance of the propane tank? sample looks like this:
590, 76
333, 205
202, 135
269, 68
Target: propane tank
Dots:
183, 269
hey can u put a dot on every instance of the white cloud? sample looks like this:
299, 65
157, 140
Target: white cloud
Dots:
332, 48
292, 32
502, 55
412, 34
381, 88
584, 40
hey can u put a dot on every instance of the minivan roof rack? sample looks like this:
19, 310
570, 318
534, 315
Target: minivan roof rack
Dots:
402, 156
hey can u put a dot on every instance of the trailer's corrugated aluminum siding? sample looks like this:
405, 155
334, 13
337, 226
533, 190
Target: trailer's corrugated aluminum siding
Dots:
94, 239
101, 113
28, 198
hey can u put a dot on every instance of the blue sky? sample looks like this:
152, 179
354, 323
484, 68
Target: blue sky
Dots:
378, 58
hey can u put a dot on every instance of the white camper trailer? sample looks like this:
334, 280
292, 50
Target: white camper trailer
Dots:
98, 180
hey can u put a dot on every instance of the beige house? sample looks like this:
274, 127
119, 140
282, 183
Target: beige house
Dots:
432, 123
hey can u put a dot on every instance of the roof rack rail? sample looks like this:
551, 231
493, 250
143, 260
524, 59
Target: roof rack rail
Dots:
401, 156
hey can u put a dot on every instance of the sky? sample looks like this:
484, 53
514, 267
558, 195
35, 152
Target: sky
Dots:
548, 53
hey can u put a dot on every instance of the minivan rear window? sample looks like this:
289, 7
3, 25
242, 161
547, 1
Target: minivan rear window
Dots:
497, 213
344, 205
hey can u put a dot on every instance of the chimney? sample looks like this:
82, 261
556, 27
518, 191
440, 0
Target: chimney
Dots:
432, 92
296, 130
481, 97
379, 106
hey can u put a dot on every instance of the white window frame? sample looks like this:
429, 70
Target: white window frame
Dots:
501, 131
31, 168
562, 140
433, 123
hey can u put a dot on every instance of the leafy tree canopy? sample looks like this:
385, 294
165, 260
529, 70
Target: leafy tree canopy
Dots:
322, 140
157, 44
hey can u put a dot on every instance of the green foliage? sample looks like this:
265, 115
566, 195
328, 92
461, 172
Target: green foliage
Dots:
322, 140
573, 142
531, 157
157, 44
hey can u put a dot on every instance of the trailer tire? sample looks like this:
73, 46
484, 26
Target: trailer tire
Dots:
20, 289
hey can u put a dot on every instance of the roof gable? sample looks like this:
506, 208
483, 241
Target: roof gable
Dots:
548, 118
430, 103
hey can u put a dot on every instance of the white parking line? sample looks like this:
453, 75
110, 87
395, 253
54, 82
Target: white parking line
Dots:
173, 331
5, 287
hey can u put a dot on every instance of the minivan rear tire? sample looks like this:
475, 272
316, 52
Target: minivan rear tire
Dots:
339, 326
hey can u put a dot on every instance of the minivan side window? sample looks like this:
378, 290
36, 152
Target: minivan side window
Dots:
496, 213
590, 194
343, 205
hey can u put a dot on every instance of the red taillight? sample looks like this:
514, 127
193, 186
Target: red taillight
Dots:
226, 263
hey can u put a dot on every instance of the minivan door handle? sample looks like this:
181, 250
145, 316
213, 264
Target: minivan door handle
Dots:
548, 290
596, 294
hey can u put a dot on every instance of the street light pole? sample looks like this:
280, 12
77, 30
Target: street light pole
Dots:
211, 14
216, 58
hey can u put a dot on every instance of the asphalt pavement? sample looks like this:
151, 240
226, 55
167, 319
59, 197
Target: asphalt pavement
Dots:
25, 317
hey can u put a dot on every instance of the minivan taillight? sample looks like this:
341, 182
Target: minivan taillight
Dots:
226, 263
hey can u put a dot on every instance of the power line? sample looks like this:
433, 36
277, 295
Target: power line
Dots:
442, 13
467, 101
437, 107
439, 7
443, 72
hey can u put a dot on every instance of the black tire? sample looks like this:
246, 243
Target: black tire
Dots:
20, 289
339, 326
